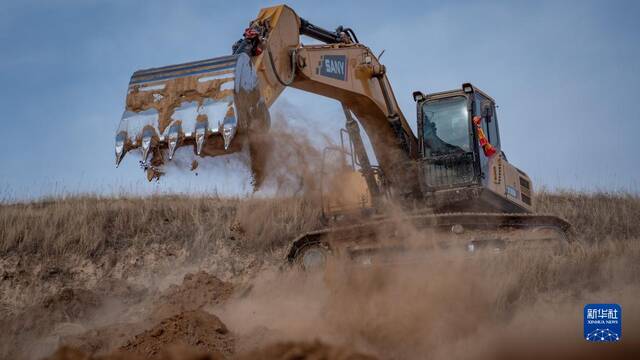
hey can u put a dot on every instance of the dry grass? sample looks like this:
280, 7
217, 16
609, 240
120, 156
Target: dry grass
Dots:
596, 217
87, 226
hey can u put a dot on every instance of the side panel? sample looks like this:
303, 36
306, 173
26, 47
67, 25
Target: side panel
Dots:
507, 181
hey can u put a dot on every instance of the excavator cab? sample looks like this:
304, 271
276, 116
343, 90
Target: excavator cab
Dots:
460, 154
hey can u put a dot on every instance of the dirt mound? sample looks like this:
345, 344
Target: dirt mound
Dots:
195, 328
196, 291
303, 350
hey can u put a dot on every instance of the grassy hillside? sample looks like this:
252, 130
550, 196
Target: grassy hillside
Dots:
64, 263
88, 226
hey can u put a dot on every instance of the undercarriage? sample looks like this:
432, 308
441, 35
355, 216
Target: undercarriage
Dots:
400, 239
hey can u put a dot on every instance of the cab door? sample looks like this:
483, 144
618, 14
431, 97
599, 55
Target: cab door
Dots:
486, 109
445, 132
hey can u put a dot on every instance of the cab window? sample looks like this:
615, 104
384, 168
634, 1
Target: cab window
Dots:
446, 126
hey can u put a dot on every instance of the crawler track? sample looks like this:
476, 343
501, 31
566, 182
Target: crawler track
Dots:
426, 231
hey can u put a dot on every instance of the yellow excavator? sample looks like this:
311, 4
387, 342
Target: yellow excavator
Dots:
451, 184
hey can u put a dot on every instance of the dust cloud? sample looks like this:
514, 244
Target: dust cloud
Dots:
292, 161
285, 161
452, 306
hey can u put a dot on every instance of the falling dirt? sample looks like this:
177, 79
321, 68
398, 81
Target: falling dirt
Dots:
288, 160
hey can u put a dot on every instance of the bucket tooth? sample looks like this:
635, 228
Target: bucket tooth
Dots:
229, 127
201, 136
173, 138
228, 133
147, 139
121, 138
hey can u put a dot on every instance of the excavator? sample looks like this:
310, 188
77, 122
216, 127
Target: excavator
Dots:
449, 186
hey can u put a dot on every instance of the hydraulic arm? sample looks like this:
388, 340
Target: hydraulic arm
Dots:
216, 105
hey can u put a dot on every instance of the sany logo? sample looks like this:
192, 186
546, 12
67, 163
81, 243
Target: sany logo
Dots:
333, 66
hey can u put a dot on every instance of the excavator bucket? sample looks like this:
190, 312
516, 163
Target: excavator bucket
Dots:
210, 105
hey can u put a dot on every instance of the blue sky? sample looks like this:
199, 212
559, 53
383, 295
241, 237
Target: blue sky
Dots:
564, 73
